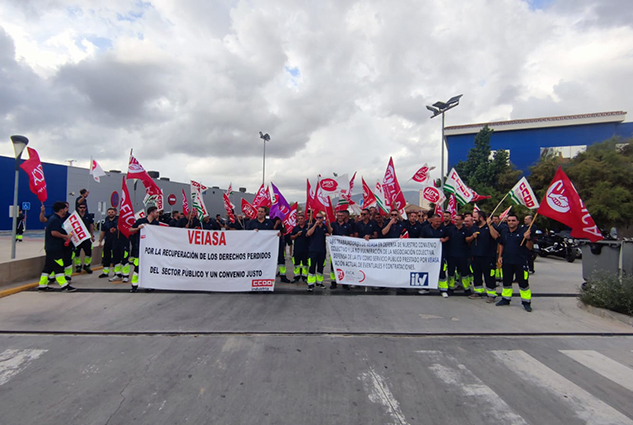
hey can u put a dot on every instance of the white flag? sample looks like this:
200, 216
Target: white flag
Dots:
457, 187
522, 194
96, 171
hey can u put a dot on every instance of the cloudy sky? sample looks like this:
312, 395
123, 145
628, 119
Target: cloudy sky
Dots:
340, 85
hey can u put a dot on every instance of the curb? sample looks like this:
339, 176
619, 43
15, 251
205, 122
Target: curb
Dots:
26, 287
607, 314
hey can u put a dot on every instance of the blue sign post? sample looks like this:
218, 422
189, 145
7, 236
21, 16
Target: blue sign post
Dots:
26, 206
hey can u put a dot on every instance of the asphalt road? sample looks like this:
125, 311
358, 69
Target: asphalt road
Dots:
98, 357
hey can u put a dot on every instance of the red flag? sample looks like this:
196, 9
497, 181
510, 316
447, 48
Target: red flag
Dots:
329, 211
438, 210
394, 198
136, 171
126, 212
423, 174
312, 202
185, 204
369, 200
262, 198
405, 234
33, 168
562, 203
291, 219
452, 207
504, 214
248, 209
478, 197
228, 207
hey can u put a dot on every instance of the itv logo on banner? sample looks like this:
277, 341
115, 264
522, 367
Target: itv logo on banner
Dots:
419, 279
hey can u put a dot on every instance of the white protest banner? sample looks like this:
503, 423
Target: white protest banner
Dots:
76, 228
203, 260
394, 263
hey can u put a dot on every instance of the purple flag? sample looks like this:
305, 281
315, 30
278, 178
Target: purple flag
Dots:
279, 207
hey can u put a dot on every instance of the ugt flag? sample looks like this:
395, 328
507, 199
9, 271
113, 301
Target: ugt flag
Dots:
96, 171
33, 168
248, 209
562, 203
262, 198
423, 175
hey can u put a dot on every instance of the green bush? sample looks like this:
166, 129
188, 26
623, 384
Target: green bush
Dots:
606, 290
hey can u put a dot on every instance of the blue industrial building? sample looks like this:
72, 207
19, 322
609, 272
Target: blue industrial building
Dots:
528, 139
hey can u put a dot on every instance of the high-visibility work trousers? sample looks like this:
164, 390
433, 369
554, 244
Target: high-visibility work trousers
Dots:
461, 266
442, 284
54, 263
86, 247
300, 262
316, 262
484, 271
521, 272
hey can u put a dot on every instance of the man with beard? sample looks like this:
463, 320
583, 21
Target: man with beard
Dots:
436, 231
55, 238
413, 226
300, 252
366, 228
513, 257
483, 249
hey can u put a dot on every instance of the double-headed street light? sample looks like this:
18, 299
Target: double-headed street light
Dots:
265, 138
19, 143
438, 108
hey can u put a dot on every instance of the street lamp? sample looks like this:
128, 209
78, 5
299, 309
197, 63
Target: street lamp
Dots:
19, 143
265, 138
438, 108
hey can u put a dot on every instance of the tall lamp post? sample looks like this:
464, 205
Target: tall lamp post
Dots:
19, 143
438, 108
265, 138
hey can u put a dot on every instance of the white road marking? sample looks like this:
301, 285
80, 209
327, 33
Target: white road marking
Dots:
603, 365
481, 397
379, 392
13, 362
586, 407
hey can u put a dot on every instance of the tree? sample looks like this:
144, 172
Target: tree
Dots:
493, 177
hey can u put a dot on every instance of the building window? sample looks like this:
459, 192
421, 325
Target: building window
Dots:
492, 154
566, 152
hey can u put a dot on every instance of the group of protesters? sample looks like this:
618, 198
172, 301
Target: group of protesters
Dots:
477, 250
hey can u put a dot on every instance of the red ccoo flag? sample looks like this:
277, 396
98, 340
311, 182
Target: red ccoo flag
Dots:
126, 212
562, 203
33, 168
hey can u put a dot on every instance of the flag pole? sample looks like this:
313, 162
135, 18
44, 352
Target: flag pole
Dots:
530, 228
499, 204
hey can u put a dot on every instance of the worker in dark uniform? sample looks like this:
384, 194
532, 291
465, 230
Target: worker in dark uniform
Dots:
366, 228
208, 224
108, 238
55, 237
394, 227
457, 256
20, 225
339, 228
413, 226
300, 252
260, 222
436, 231
82, 200
151, 218
317, 251
86, 245
513, 256
447, 222
175, 216
483, 251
